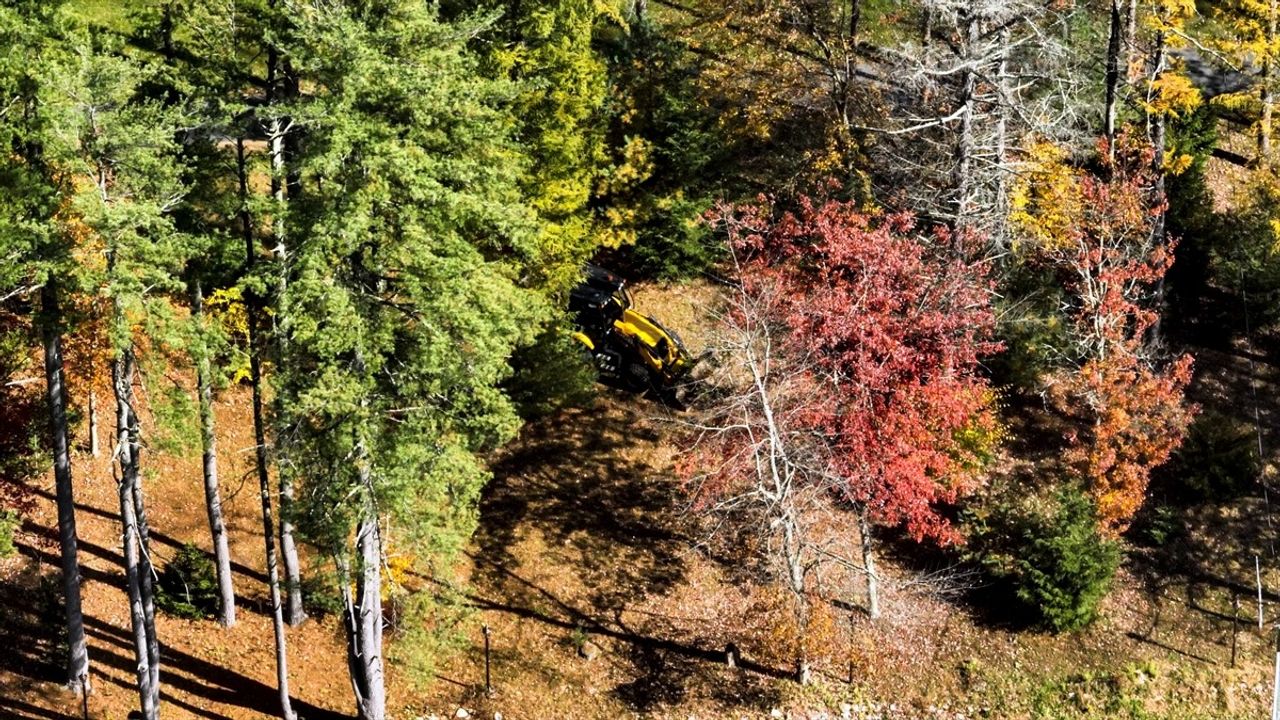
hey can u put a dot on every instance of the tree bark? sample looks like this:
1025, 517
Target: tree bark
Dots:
1113, 76
93, 424
78, 651
212, 495
965, 142
363, 616
869, 564
1264, 91
796, 581
260, 454
277, 133
136, 565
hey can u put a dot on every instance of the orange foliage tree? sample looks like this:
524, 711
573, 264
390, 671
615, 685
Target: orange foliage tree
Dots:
1127, 398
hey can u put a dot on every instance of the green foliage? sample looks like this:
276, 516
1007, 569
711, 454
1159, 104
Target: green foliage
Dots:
405, 300
430, 625
1050, 553
187, 587
1218, 460
669, 155
551, 373
559, 85
1247, 258
10, 521
1191, 217
321, 594
1064, 565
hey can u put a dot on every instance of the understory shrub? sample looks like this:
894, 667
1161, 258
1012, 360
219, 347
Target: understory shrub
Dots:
1047, 552
187, 586
9, 522
1065, 564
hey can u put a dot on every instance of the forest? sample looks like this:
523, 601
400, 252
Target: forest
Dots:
958, 398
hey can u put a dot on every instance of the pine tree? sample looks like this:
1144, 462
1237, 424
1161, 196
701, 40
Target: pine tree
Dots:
402, 296
126, 182
39, 236
547, 49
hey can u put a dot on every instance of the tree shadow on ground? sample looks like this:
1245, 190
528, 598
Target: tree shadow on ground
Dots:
591, 482
257, 576
194, 676
31, 624
594, 488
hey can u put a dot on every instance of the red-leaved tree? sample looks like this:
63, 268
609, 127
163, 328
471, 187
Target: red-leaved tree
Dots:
885, 326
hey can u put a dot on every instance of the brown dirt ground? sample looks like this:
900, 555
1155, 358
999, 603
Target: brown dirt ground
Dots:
584, 543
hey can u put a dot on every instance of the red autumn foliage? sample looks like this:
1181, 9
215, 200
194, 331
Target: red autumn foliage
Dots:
1130, 405
890, 329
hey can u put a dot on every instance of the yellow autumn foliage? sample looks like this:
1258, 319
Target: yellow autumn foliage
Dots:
1045, 199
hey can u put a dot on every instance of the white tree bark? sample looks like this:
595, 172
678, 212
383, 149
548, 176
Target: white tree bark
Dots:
212, 494
260, 454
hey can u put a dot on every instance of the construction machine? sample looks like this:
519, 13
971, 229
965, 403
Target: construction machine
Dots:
630, 349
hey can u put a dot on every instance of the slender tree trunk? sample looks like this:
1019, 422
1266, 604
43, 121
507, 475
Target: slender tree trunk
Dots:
94, 449
1114, 55
145, 566
796, 583
260, 438
135, 551
78, 651
364, 615
965, 142
1159, 126
208, 441
1000, 235
277, 133
869, 564
855, 20
1264, 91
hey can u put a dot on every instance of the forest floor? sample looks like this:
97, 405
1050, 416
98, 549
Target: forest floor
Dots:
585, 549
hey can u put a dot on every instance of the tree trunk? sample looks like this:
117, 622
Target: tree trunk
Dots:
1159, 126
260, 454
364, 616
855, 20
796, 583
93, 424
208, 441
1000, 234
276, 134
1264, 91
135, 551
869, 564
78, 651
1113, 76
965, 142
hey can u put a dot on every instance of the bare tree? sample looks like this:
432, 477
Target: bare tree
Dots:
986, 76
754, 470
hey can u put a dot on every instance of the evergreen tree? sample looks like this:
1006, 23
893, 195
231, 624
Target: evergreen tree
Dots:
121, 157
547, 49
39, 236
403, 302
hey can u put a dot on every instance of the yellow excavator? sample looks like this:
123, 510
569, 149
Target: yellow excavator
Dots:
630, 349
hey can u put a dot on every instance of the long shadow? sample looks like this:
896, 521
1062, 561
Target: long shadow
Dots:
578, 619
160, 537
587, 482
88, 572
18, 710
198, 677
1148, 641
30, 626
